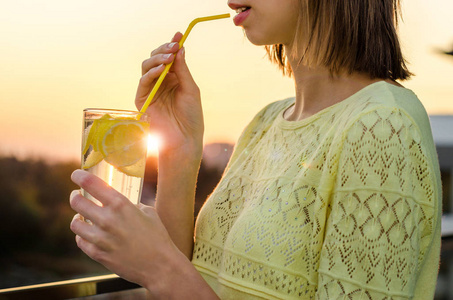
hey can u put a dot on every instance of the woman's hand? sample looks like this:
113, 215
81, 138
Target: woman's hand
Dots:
175, 113
129, 240
132, 242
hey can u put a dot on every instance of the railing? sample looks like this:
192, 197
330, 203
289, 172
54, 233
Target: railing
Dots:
69, 288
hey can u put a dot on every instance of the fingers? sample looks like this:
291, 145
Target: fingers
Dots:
90, 249
152, 74
98, 189
82, 205
99, 216
177, 37
162, 55
171, 47
82, 228
89, 232
183, 73
153, 67
156, 60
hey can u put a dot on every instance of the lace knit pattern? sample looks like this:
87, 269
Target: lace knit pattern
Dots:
341, 205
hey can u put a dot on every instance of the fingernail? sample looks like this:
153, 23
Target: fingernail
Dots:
77, 217
167, 55
74, 193
183, 52
77, 175
171, 45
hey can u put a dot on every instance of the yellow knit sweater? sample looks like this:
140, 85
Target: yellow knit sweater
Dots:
342, 205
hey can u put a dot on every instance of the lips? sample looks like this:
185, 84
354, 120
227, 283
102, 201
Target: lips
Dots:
240, 18
242, 11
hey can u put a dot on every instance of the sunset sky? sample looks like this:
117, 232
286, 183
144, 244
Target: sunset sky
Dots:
58, 57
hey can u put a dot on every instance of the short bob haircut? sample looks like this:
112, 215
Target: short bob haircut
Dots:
347, 36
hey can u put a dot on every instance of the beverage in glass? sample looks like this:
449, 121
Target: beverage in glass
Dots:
114, 147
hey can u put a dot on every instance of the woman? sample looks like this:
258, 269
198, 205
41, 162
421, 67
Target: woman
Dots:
333, 194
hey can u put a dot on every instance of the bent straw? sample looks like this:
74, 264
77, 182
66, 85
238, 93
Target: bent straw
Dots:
167, 67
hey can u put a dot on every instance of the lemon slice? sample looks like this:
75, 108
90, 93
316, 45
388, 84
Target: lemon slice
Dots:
87, 139
100, 128
92, 159
95, 132
136, 170
123, 143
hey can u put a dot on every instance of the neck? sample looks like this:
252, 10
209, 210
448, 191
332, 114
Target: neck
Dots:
317, 89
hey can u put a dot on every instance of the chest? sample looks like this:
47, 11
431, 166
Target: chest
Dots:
275, 197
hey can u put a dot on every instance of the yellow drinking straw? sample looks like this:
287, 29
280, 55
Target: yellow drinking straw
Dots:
181, 42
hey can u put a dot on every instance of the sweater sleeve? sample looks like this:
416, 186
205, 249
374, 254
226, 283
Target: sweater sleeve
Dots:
382, 212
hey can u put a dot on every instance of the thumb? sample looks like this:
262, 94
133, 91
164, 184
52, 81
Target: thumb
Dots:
182, 71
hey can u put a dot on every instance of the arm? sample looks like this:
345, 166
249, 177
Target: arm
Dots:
383, 212
175, 197
176, 116
141, 244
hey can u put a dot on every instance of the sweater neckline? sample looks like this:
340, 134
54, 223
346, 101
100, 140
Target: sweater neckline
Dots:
285, 124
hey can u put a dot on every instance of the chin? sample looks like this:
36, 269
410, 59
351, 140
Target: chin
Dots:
257, 40
261, 38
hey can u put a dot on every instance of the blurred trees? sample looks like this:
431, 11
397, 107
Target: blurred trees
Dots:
34, 210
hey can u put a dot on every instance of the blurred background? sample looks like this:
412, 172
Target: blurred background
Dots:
59, 57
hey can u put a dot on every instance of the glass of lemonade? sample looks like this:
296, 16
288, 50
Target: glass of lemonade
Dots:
114, 147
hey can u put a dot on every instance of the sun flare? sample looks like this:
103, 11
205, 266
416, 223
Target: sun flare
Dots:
153, 145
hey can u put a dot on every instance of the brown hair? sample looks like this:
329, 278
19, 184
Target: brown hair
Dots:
347, 35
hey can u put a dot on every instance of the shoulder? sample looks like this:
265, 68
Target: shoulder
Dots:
384, 110
390, 134
387, 128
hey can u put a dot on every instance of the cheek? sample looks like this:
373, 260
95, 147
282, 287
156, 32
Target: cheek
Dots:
270, 33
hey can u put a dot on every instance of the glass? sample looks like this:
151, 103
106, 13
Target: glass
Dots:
114, 148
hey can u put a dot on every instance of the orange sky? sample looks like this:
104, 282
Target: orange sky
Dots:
59, 57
